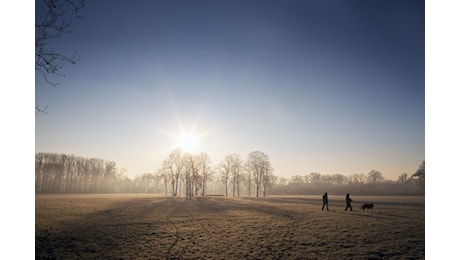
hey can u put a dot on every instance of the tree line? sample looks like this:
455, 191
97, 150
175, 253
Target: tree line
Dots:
69, 173
191, 175
373, 183
180, 173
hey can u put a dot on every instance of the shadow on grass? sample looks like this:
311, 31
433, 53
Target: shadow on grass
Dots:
203, 227
138, 228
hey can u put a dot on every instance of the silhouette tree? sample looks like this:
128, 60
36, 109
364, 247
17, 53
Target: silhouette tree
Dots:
357, 178
247, 180
53, 18
339, 179
190, 170
69, 173
258, 165
225, 168
374, 177
297, 179
204, 166
268, 180
314, 177
173, 165
235, 173
403, 178
164, 176
419, 175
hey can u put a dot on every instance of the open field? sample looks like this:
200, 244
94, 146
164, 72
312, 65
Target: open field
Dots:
279, 227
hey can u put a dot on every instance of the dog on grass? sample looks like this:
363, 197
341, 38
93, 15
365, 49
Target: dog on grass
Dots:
367, 206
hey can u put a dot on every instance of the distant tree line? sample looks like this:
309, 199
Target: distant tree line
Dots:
69, 173
374, 183
194, 175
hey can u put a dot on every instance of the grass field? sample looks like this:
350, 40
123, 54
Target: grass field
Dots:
278, 227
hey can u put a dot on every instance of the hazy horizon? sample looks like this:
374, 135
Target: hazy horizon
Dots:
317, 86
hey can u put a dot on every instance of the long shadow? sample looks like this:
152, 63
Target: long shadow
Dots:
99, 234
251, 205
318, 201
129, 223
147, 227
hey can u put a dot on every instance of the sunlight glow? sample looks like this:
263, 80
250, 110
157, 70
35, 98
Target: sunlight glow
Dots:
185, 136
187, 142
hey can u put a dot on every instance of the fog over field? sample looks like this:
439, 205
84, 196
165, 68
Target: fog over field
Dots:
195, 175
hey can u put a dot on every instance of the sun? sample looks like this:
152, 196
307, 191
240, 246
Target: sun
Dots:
187, 142
187, 137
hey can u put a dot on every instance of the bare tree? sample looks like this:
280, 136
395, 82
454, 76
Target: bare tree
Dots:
297, 179
247, 179
269, 180
164, 177
174, 166
196, 177
144, 183
281, 181
231, 169
190, 170
374, 177
225, 168
54, 18
258, 165
403, 178
244, 180
109, 175
357, 178
314, 177
235, 172
325, 178
339, 179
205, 170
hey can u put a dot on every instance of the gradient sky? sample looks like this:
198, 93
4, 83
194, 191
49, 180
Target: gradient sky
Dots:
318, 86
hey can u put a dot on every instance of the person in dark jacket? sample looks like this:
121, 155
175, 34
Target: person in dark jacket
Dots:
325, 201
348, 200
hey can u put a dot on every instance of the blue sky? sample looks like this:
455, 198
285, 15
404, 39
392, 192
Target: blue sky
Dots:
319, 86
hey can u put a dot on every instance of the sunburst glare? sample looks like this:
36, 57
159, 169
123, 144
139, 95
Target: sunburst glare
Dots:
187, 142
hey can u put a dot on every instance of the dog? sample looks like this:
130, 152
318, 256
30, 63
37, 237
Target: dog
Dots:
367, 206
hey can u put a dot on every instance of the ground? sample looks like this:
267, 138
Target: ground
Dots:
146, 226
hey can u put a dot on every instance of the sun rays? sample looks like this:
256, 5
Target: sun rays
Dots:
188, 134
187, 142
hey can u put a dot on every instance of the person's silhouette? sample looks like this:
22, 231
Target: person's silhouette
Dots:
325, 201
348, 200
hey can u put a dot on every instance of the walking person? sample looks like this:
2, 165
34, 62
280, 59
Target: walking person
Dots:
348, 200
325, 201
